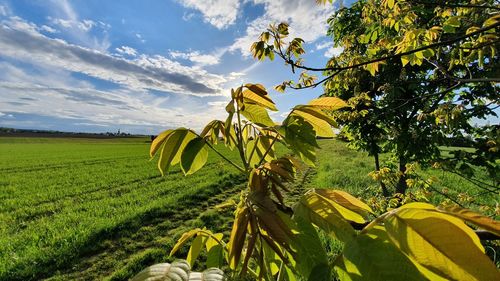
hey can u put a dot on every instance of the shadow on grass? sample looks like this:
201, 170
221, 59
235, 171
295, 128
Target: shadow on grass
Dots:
108, 239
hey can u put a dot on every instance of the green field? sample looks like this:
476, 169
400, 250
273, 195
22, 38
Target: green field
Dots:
98, 209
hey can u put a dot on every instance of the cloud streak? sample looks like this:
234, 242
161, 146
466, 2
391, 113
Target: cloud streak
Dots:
22, 41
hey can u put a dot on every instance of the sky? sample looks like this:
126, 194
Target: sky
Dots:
143, 66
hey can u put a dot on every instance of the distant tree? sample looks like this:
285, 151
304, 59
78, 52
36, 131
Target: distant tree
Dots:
415, 74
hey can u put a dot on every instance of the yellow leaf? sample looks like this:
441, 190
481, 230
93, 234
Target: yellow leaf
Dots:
483, 222
314, 117
237, 238
345, 199
330, 103
173, 148
185, 236
257, 89
158, 141
319, 212
441, 243
259, 99
337, 208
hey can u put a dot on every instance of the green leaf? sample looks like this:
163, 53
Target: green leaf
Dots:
441, 243
195, 249
158, 141
257, 114
173, 148
301, 138
372, 257
310, 255
194, 156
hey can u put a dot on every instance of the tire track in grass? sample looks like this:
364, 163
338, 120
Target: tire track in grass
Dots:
66, 165
106, 190
126, 256
109, 241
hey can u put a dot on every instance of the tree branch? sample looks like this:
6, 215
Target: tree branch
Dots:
437, 44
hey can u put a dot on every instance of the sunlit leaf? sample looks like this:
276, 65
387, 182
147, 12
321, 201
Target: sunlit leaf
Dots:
441, 243
158, 141
319, 212
483, 222
194, 156
372, 256
237, 238
257, 114
330, 103
173, 148
195, 249
264, 101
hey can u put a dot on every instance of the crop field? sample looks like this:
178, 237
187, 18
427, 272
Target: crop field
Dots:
90, 209
65, 199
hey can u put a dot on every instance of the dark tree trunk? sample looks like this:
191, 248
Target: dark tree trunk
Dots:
385, 192
402, 186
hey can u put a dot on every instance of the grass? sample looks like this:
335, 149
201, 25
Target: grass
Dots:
87, 209
346, 169
60, 198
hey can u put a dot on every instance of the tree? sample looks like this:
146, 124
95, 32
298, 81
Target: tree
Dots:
415, 73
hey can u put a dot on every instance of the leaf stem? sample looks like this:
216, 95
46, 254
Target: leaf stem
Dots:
227, 159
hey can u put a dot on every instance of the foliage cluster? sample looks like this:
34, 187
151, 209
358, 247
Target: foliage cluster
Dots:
271, 240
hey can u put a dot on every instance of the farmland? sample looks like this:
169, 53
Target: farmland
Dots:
98, 209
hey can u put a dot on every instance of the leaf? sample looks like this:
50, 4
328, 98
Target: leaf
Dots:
301, 138
372, 257
195, 249
194, 156
317, 119
158, 141
260, 100
211, 274
330, 103
310, 255
257, 114
345, 199
483, 222
215, 256
177, 271
258, 89
237, 238
441, 243
319, 213
185, 236
173, 148
334, 207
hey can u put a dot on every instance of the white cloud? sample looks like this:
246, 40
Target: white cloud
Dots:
21, 41
196, 57
84, 25
297, 13
324, 45
79, 30
333, 52
56, 94
48, 29
125, 50
139, 36
4, 10
219, 13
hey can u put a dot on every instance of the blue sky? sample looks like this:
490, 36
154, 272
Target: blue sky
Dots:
142, 66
